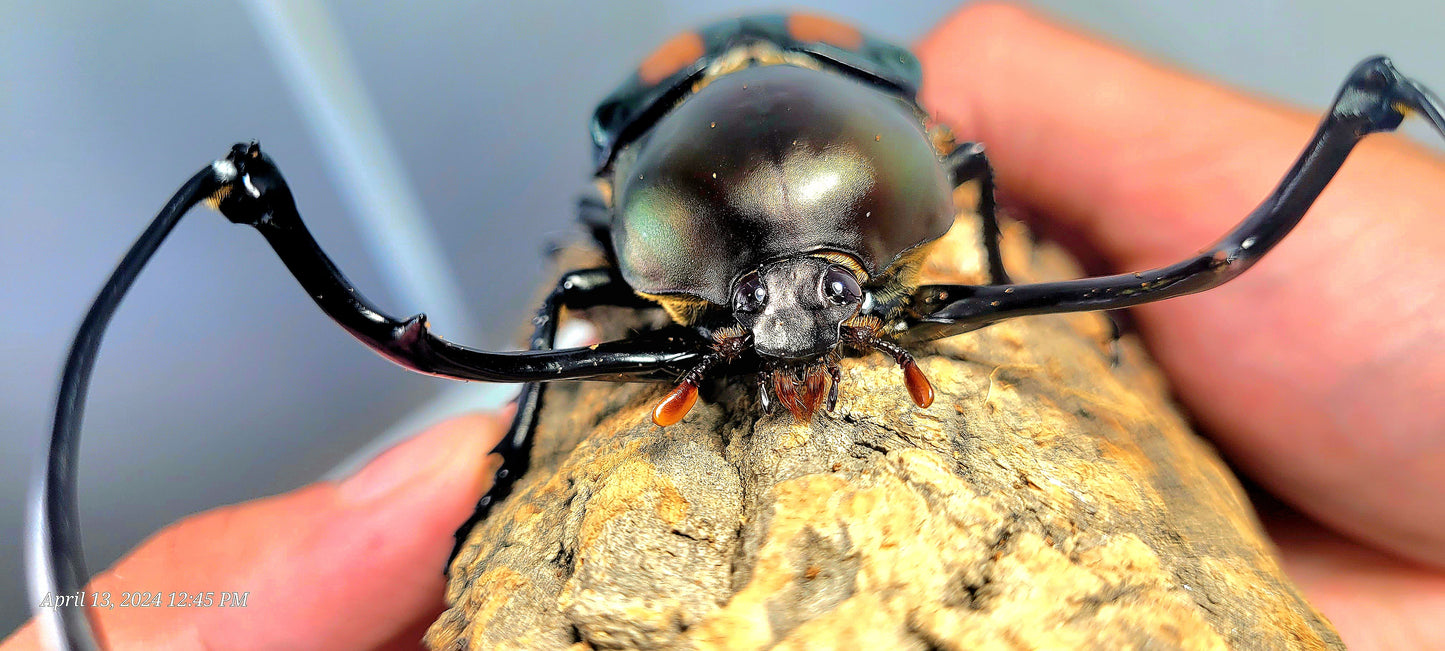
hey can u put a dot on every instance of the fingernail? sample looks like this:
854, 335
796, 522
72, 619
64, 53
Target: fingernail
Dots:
439, 455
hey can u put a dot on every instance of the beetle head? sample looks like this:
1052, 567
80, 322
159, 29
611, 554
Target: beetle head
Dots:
794, 307
797, 313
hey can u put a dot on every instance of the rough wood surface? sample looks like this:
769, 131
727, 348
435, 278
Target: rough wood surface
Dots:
1045, 501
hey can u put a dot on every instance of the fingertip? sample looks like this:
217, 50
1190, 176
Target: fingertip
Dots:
470, 438
25, 637
487, 426
979, 27
435, 460
977, 37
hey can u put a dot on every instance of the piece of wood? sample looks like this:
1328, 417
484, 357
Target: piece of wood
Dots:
1045, 501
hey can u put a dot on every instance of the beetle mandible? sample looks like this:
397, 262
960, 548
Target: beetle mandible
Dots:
772, 184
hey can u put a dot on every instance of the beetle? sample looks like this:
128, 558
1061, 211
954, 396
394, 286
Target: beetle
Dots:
769, 182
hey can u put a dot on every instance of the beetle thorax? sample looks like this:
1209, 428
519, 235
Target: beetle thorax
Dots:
769, 163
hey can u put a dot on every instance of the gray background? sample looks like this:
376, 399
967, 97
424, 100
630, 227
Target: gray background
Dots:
219, 380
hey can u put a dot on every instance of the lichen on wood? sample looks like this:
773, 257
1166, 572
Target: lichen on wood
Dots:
1047, 500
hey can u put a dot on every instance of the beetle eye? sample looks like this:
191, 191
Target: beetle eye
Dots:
840, 287
751, 295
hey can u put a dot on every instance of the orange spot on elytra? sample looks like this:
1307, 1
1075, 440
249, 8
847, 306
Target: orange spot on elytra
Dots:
671, 57
675, 405
808, 28
919, 387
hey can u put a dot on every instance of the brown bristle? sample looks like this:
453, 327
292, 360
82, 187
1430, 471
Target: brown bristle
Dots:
787, 392
675, 405
815, 390
919, 387
802, 396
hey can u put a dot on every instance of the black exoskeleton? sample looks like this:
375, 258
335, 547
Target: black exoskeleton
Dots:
773, 185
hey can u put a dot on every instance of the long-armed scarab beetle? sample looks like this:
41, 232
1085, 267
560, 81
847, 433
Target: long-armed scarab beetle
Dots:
772, 184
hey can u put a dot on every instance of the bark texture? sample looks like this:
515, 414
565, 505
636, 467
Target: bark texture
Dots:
1045, 501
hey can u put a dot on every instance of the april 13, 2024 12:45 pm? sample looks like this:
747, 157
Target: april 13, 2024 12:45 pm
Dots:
181, 599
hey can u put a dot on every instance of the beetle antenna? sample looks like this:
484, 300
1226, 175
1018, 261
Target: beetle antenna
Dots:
728, 344
680, 400
862, 333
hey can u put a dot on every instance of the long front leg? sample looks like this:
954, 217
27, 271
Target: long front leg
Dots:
1374, 98
247, 188
257, 195
575, 290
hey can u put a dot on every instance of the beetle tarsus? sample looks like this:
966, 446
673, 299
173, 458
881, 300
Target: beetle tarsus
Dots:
967, 163
1379, 96
577, 289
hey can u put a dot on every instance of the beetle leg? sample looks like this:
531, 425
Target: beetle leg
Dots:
54, 527
575, 290
247, 188
1374, 98
256, 195
596, 217
968, 163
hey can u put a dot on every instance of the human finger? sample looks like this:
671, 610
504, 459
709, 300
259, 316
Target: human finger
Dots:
334, 565
1374, 600
1317, 370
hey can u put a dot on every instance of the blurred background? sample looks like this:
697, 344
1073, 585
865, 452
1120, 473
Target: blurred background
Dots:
219, 380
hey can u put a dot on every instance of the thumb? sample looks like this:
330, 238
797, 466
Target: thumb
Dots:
334, 565
1313, 371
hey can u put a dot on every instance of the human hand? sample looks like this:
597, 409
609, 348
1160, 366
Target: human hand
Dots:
1314, 371
355, 564
1318, 372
